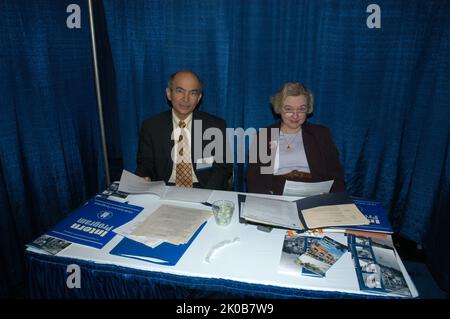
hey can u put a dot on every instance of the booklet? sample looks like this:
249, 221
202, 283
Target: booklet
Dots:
50, 244
377, 266
92, 223
332, 209
295, 245
321, 255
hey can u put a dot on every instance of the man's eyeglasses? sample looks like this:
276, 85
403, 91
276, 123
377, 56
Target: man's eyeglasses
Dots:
181, 91
290, 111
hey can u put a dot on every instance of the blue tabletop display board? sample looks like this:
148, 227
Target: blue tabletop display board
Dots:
92, 223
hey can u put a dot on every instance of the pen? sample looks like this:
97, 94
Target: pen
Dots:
206, 204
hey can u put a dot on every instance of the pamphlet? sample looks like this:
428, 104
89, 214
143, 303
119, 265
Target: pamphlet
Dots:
321, 255
377, 266
294, 245
50, 244
92, 223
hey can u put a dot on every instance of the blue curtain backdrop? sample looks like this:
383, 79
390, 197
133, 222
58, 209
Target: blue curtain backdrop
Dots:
50, 151
383, 92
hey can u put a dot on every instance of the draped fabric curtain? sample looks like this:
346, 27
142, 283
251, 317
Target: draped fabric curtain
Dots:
50, 149
383, 92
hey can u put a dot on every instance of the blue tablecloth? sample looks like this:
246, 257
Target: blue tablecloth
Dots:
47, 276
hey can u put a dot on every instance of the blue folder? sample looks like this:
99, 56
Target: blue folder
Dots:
305, 203
163, 254
375, 213
92, 223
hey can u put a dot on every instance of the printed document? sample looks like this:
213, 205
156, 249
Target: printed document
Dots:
334, 215
271, 211
133, 184
331, 209
172, 224
187, 194
292, 188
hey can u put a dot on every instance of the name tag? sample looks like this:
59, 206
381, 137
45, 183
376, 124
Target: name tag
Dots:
205, 163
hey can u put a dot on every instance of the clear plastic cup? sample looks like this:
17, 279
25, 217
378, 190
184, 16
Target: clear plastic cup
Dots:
223, 212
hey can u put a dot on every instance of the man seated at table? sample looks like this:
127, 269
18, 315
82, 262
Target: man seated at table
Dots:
170, 137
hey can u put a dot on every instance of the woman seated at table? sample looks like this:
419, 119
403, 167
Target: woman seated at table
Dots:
303, 151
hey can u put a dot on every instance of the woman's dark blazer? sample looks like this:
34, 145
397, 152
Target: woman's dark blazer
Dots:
323, 160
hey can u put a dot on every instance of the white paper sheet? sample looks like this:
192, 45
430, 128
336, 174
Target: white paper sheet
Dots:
187, 194
133, 184
271, 211
173, 224
168, 223
292, 188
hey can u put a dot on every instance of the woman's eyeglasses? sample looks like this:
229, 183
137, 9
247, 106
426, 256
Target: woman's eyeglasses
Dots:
290, 111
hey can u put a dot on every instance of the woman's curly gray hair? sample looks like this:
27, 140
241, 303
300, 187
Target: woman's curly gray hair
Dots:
292, 89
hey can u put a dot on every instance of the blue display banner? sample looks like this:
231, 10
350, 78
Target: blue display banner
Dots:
92, 223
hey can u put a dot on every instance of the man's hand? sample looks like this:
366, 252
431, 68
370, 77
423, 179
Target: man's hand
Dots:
147, 179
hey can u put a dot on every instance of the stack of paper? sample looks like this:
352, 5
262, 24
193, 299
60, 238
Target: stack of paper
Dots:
272, 212
377, 266
333, 209
305, 189
161, 236
133, 184
171, 224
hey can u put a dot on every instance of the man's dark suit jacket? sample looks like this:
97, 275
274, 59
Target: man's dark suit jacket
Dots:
155, 146
323, 160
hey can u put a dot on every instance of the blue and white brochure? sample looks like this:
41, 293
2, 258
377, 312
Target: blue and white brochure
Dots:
321, 255
377, 266
92, 223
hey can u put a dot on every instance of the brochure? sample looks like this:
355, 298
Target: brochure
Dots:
92, 223
377, 266
294, 245
50, 244
321, 255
